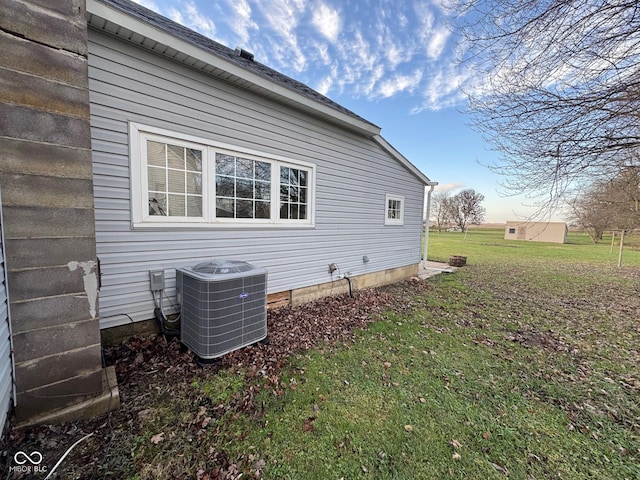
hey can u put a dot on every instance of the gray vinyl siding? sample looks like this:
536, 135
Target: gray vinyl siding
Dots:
353, 174
6, 361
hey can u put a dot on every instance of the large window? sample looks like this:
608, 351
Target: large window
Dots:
179, 179
243, 187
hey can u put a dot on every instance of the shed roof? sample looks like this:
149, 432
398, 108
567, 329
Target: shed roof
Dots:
141, 26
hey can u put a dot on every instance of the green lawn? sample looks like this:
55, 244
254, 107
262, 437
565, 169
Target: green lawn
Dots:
487, 245
522, 364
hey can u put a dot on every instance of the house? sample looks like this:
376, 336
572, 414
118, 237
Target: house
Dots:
137, 145
555, 232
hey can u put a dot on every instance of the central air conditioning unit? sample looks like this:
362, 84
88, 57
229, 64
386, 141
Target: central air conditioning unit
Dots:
223, 306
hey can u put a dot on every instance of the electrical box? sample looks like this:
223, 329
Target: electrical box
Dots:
156, 277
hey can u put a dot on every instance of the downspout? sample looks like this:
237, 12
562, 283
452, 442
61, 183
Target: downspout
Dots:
426, 223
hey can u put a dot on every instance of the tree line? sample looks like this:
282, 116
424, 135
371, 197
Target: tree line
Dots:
457, 211
608, 204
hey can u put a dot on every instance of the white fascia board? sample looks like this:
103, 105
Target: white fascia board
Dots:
106, 12
402, 159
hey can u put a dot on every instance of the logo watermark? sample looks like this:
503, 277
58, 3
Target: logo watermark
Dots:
28, 463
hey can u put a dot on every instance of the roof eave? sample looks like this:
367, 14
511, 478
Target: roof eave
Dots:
106, 17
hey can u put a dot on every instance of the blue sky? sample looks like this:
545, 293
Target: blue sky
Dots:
390, 61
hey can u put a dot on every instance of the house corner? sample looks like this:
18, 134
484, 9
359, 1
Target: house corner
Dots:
48, 210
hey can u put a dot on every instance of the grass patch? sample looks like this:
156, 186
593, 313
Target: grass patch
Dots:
522, 364
487, 245
427, 395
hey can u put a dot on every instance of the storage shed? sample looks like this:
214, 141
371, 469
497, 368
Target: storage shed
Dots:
554, 232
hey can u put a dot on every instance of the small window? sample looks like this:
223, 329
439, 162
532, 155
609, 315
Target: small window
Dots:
174, 179
394, 210
512, 231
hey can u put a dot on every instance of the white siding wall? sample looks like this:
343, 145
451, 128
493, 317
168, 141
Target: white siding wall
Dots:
6, 361
352, 177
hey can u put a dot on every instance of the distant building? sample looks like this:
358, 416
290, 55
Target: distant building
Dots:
554, 232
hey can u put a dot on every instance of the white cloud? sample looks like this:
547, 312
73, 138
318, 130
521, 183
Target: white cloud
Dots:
399, 83
445, 6
322, 53
426, 20
150, 4
327, 21
448, 187
283, 17
442, 88
357, 57
394, 54
402, 21
194, 19
371, 79
380, 51
437, 41
327, 82
242, 22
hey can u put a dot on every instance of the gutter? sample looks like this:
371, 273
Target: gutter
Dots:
426, 223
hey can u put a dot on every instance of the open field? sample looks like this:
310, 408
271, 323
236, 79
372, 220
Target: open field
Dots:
523, 364
488, 244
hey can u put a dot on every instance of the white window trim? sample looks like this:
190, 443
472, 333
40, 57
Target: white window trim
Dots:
140, 217
393, 221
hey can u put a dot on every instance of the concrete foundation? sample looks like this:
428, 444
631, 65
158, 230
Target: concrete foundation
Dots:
107, 400
358, 282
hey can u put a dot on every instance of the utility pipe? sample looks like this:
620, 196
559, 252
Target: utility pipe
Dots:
426, 223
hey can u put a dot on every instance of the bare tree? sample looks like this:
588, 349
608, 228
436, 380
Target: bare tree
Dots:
558, 89
590, 213
466, 209
441, 209
622, 197
609, 204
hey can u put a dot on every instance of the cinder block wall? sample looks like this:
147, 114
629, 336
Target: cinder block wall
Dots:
46, 177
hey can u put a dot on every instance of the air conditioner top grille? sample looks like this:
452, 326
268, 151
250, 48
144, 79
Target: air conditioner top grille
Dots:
221, 269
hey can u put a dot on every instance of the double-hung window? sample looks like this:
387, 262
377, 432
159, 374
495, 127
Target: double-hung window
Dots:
394, 210
294, 193
180, 180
